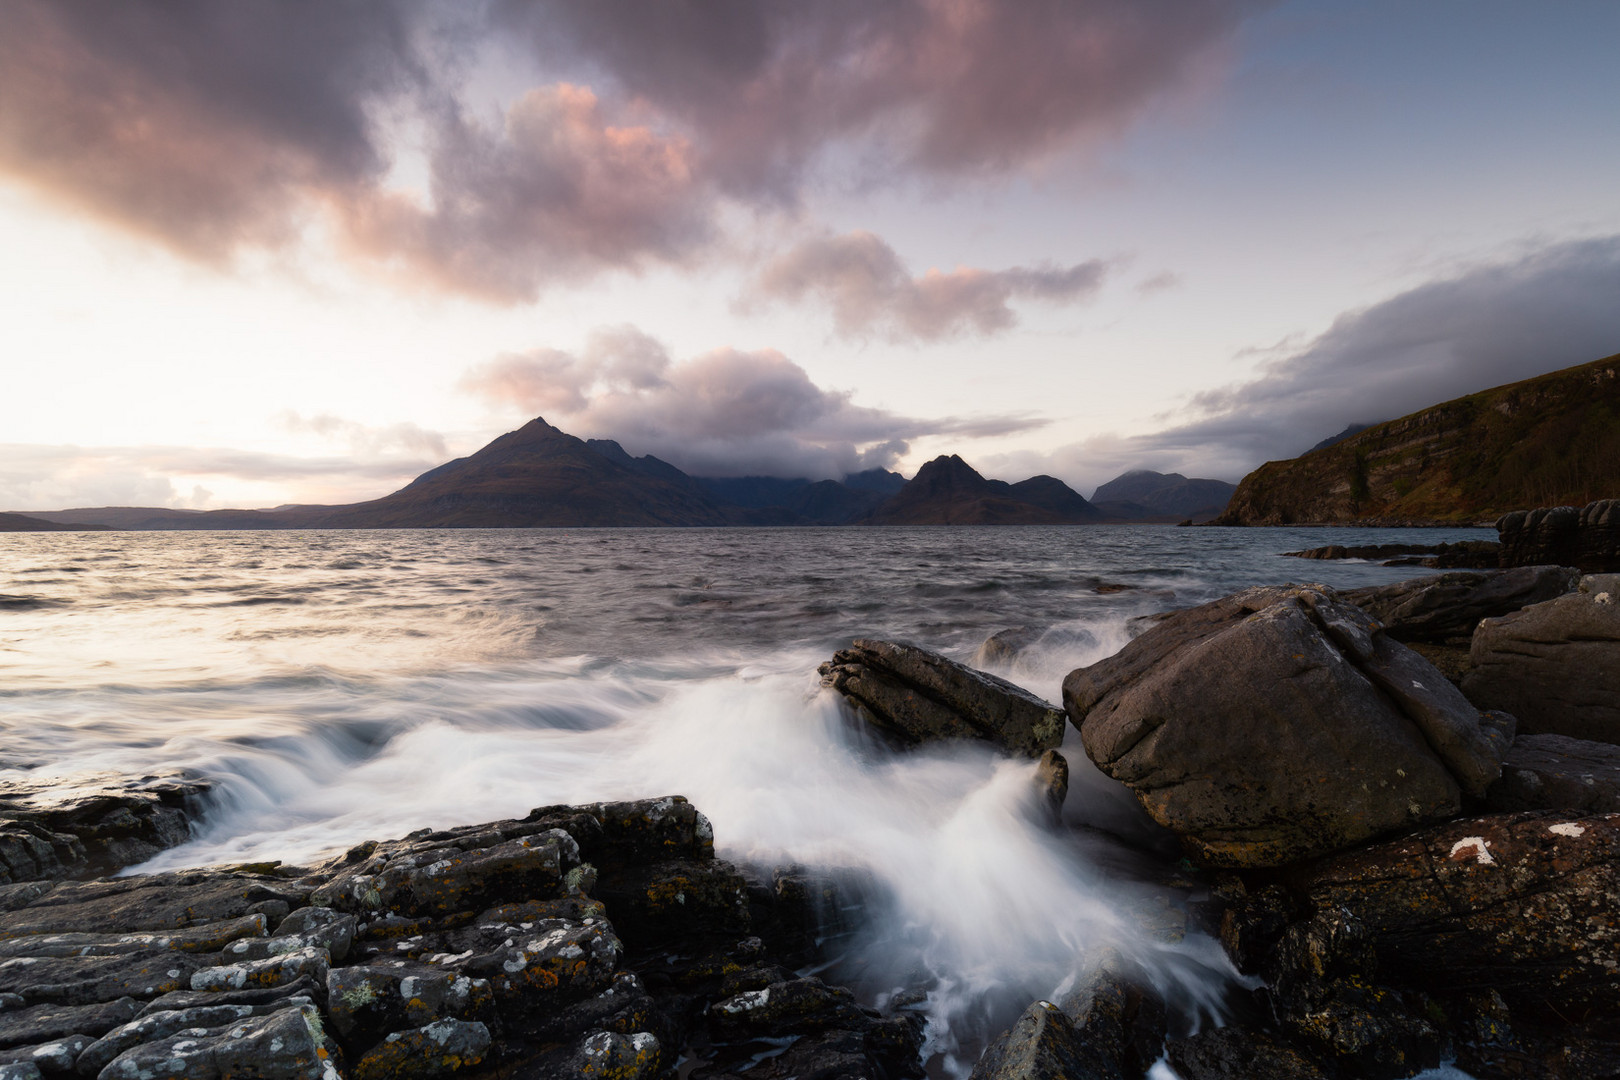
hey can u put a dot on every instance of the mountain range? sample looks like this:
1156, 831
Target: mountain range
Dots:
541, 477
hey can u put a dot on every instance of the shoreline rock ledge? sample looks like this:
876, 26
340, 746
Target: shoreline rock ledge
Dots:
1281, 723
601, 942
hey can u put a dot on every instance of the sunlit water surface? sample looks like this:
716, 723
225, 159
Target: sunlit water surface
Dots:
340, 686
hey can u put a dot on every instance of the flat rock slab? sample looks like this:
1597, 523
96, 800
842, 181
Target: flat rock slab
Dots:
161, 902
83, 980
42, 1023
1450, 605
1555, 772
916, 696
1556, 665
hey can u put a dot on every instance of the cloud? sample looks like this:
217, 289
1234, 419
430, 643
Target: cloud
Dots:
727, 412
867, 288
557, 193
38, 477
945, 87
365, 441
219, 129
1553, 307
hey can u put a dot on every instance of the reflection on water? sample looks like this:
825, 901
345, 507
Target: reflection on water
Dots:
340, 686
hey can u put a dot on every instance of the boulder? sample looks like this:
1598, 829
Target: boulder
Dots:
1052, 785
915, 696
1555, 772
1555, 665
1234, 1053
1588, 537
1446, 606
1279, 723
437, 1049
160, 1025
1004, 646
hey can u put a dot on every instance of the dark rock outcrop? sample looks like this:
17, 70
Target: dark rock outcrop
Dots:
1280, 723
1554, 665
1449, 606
915, 696
51, 831
1587, 537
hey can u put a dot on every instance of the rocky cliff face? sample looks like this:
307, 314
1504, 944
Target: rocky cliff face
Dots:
1552, 440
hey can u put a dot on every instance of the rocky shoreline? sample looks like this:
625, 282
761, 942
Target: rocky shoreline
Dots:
1399, 810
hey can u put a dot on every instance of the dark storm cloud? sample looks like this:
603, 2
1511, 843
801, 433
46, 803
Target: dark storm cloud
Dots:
944, 86
207, 126
216, 128
1489, 325
727, 412
868, 289
1550, 308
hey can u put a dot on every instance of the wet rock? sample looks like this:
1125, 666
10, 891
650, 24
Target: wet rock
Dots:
677, 904
366, 1002
438, 880
1519, 903
1043, 1045
789, 1008
624, 1007
20, 1070
53, 1057
1235, 1053
160, 1025
648, 830
189, 999
437, 1049
1588, 537
1554, 665
290, 1044
1118, 1018
43, 1023
916, 696
1450, 605
208, 938
91, 825
306, 928
272, 971
1554, 772
160, 902
608, 1055
1278, 723
1480, 554
1052, 784
86, 980
1002, 648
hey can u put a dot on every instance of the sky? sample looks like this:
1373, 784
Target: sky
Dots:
254, 254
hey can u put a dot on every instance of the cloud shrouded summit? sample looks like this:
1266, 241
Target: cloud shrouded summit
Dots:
867, 288
222, 128
725, 413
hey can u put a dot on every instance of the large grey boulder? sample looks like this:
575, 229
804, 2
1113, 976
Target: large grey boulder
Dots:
1279, 723
915, 696
1443, 606
1556, 665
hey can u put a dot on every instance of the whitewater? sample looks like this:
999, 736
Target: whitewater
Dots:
342, 686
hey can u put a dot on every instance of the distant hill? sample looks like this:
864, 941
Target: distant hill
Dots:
1143, 494
1548, 441
32, 523
540, 477
948, 491
537, 477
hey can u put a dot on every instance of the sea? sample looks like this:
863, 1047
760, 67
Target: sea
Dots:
338, 686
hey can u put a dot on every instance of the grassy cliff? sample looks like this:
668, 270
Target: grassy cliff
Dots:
1549, 441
